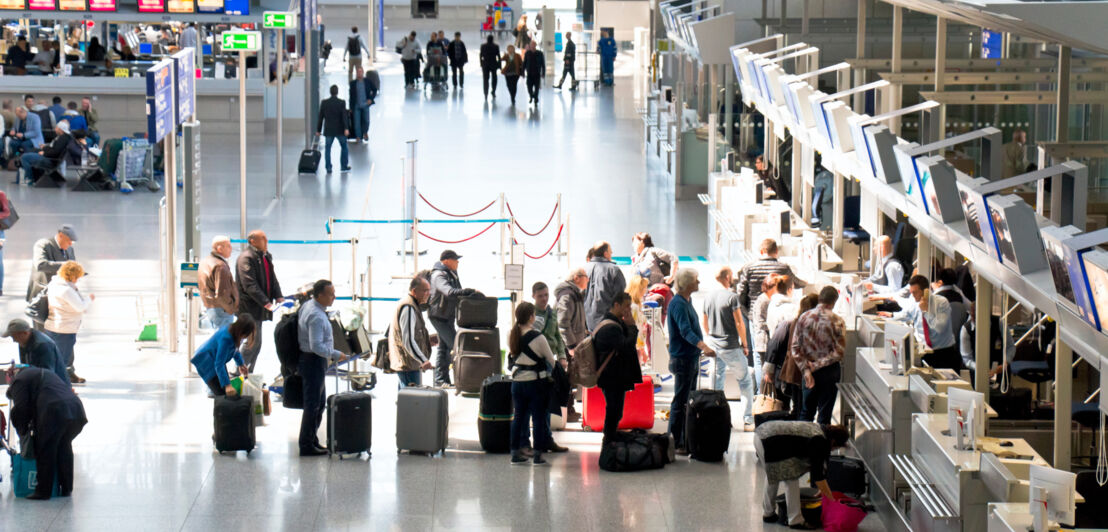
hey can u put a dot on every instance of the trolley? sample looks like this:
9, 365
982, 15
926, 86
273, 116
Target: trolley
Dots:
657, 350
436, 72
136, 165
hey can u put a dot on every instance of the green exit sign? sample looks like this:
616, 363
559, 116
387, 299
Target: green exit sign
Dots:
241, 41
278, 20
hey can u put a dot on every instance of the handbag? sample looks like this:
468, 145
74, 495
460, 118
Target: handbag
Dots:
38, 309
766, 402
12, 218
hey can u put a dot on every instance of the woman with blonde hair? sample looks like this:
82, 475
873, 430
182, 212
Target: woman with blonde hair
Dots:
67, 307
636, 288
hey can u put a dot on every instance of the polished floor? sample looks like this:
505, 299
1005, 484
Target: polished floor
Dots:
146, 462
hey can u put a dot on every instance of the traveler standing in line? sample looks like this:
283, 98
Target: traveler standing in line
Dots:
490, 63
723, 323
781, 306
409, 343
750, 282
44, 404
648, 260
189, 37
411, 53
36, 349
788, 450
818, 343
259, 291
570, 295
607, 49
546, 322
217, 285
361, 97
317, 351
212, 357
67, 307
353, 50
332, 112
759, 331
446, 288
512, 68
47, 257
616, 336
456, 51
686, 344
534, 64
569, 56
605, 281
529, 357
777, 368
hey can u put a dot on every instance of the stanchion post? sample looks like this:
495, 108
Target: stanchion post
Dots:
502, 233
569, 247
369, 292
330, 251
190, 330
415, 245
559, 207
354, 269
242, 145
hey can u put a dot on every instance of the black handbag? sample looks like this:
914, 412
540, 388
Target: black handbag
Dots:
38, 309
12, 218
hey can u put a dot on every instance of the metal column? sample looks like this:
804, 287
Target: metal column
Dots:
242, 145
940, 72
982, 317
728, 107
1063, 399
280, 107
860, 52
896, 64
839, 214
168, 146
1062, 113
923, 256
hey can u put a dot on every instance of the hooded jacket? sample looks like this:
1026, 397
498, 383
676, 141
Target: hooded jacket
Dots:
570, 305
605, 281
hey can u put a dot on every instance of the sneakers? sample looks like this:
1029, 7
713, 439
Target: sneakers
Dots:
681, 451
748, 427
539, 461
313, 451
771, 518
519, 459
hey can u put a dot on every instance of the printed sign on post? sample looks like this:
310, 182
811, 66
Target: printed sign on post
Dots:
185, 71
159, 99
513, 277
190, 274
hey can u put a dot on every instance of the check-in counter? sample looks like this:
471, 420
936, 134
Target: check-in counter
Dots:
1009, 517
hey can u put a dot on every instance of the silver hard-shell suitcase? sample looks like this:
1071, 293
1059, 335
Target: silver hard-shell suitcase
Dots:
422, 416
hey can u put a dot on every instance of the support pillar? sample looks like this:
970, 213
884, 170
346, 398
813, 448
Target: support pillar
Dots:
923, 255
839, 214
983, 310
897, 66
1062, 113
940, 72
1063, 399
860, 52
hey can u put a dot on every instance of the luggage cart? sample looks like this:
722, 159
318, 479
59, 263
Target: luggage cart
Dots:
136, 165
656, 348
590, 68
436, 72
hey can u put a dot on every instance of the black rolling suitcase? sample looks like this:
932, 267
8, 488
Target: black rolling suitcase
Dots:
846, 475
234, 423
309, 159
349, 422
707, 423
494, 417
477, 312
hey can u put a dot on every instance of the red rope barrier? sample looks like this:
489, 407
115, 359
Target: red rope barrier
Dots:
536, 233
483, 231
551, 248
483, 209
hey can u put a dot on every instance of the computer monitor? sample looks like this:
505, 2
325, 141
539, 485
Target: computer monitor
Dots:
838, 124
1096, 270
1017, 233
1055, 253
970, 406
861, 148
973, 208
1052, 496
1082, 295
146, 48
939, 186
898, 346
880, 142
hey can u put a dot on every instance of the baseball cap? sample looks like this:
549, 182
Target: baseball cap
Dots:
68, 231
63, 125
449, 254
14, 326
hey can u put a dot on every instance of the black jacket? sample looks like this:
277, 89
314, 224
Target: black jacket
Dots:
57, 148
332, 112
43, 403
369, 92
490, 56
534, 64
569, 54
250, 279
456, 51
623, 372
446, 288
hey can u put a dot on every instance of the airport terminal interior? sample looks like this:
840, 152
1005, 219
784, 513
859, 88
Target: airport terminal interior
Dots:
917, 189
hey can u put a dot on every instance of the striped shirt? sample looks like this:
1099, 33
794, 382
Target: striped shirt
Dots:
752, 275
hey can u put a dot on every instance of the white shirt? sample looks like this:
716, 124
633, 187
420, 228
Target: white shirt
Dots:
67, 306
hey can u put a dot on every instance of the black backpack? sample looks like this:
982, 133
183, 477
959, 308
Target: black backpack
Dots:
353, 47
286, 338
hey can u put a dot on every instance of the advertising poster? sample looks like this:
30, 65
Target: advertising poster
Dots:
13, 4
236, 7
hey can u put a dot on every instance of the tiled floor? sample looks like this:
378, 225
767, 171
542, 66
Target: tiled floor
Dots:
145, 461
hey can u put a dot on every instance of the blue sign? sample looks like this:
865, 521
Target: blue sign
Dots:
159, 100
991, 43
185, 67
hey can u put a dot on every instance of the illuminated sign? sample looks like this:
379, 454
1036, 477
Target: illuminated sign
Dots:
151, 6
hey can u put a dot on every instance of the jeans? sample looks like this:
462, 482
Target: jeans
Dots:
360, 122
410, 378
567, 70
512, 82
529, 399
685, 370
313, 368
65, 342
607, 70
24, 146
1, 262
30, 160
215, 318
489, 76
446, 332
344, 157
458, 76
411, 70
216, 388
821, 397
533, 83
92, 137
736, 360
613, 411
250, 354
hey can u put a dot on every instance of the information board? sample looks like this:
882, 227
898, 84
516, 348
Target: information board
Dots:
13, 4
182, 6
236, 7
101, 5
151, 6
72, 5
159, 99
41, 5
209, 6
240, 41
184, 63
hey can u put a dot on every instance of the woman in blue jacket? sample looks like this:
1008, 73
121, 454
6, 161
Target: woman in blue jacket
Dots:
212, 357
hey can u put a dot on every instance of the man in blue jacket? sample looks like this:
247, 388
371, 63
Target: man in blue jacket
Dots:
686, 343
36, 349
607, 48
27, 132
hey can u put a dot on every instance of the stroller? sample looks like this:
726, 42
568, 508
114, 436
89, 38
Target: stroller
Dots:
435, 72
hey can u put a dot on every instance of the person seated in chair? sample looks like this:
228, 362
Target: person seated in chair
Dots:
49, 156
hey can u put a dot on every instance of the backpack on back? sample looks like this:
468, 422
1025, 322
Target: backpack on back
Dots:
583, 369
286, 338
353, 47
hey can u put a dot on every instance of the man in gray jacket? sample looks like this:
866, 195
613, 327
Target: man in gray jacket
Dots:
446, 288
49, 254
605, 281
570, 306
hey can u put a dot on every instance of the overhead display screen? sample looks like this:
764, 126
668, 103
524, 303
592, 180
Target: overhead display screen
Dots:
182, 6
1080, 283
1056, 259
209, 6
1096, 262
41, 5
1003, 236
101, 5
13, 4
72, 5
236, 7
151, 6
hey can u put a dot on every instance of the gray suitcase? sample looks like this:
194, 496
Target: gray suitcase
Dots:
422, 416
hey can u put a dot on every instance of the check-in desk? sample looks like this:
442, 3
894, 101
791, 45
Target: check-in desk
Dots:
949, 489
1009, 517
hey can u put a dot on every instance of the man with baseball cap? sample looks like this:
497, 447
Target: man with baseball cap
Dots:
49, 155
36, 349
49, 254
446, 288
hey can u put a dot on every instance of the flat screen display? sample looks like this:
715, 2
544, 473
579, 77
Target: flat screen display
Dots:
181, 6
1056, 259
101, 5
236, 7
912, 188
1081, 295
72, 5
41, 5
927, 186
1002, 234
13, 4
970, 200
1098, 280
151, 6
209, 6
